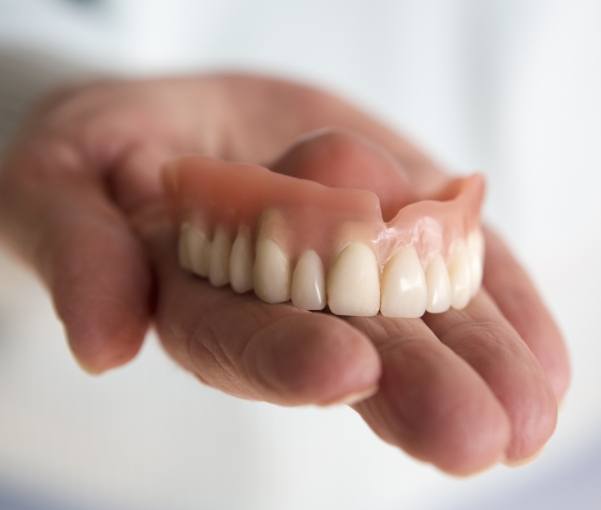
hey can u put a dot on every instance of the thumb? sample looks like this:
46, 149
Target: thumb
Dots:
56, 215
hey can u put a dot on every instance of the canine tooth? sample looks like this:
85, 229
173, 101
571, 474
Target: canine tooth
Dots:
271, 223
475, 245
271, 272
439, 286
193, 249
459, 275
404, 290
354, 282
219, 263
241, 262
308, 282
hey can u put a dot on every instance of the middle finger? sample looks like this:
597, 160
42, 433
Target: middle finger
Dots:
430, 402
481, 336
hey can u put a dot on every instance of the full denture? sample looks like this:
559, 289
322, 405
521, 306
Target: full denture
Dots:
289, 238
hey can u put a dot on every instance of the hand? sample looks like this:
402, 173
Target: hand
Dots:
80, 200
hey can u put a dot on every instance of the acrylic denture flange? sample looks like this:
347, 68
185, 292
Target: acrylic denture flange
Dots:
293, 239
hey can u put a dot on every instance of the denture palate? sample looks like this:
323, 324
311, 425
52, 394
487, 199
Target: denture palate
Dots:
292, 239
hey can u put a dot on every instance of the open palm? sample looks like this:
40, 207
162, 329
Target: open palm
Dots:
81, 201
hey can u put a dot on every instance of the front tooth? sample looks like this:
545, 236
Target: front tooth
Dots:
439, 286
354, 282
271, 272
193, 249
459, 275
475, 246
219, 262
404, 290
308, 282
241, 262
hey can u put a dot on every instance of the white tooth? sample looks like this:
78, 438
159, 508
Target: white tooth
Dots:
219, 262
459, 274
308, 282
271, 224
439, 286
354, 282
475, 245
183, 251
241, 262
271, 272
404, 290
193, 249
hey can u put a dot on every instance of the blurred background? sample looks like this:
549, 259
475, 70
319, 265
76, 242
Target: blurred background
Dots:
512, 87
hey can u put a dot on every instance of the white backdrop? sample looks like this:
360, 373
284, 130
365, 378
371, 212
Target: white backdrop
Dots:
511, 87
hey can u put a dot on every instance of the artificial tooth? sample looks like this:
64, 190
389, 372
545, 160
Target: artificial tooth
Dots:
219, 262
459, 275
439, 286
404, 290
193, 249
271, 224
475, 245
183, 251
308, 282
271, 272
354, 282
241, 262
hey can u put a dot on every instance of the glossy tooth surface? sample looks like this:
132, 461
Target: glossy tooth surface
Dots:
404, 290
475, 247
439, 286
354, 282
271, 272
308, 282
193, 249
241, 262
459, 275
219, 262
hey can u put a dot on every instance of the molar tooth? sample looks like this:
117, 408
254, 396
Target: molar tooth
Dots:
193, 249
308, 282
219, 262
271, 272
459, 275
354, 282
439, 286
241, 262
475, 245
404, 290
183, 250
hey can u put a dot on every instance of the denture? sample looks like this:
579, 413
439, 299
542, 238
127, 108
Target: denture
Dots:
293, 239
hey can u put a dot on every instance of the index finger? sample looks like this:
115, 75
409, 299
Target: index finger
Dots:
277, 353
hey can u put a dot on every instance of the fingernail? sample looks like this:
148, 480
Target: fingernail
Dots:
515, 463
88, 369
354, 398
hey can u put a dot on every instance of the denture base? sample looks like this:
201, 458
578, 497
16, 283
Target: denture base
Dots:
292, 239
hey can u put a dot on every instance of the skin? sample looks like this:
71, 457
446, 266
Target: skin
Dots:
81, 203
